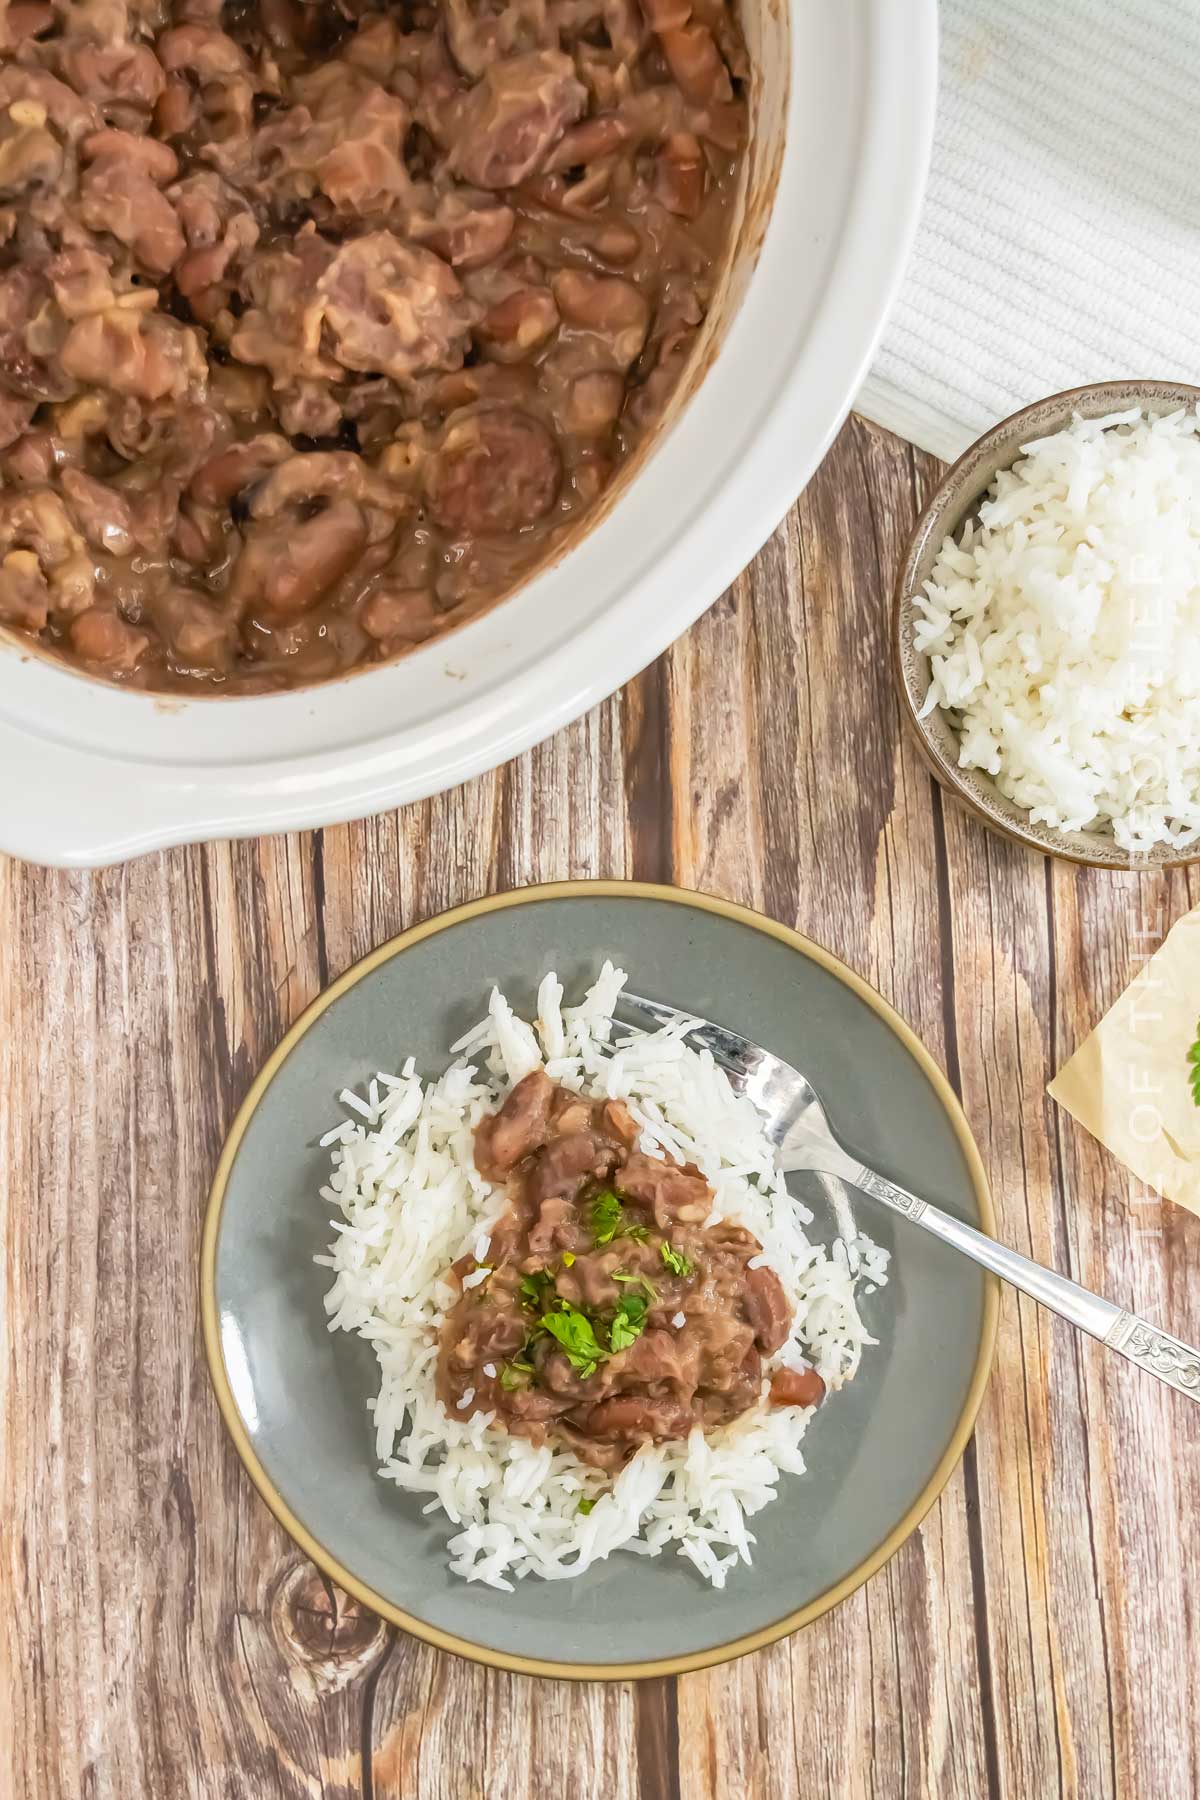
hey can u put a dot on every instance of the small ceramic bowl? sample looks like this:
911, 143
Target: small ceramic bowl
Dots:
956, 499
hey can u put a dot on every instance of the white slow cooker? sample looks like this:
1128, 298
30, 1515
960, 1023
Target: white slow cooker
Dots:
842, 122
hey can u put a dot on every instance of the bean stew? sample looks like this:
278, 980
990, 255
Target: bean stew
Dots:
323, 322
606, 1312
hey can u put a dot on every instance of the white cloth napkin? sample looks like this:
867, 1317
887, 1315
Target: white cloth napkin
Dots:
1060, 240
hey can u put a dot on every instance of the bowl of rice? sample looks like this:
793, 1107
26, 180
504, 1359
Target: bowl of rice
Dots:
1047, 626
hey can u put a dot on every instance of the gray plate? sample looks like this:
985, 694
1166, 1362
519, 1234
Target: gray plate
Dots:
294, 1396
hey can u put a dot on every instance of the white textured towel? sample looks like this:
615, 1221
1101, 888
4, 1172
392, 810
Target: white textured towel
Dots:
1060, 240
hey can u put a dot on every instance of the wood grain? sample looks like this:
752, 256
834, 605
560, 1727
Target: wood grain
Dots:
160, 1636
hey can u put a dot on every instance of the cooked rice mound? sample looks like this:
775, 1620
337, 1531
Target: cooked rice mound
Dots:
1063, 630
411, 1201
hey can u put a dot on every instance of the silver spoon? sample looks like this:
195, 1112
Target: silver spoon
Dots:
797, 1126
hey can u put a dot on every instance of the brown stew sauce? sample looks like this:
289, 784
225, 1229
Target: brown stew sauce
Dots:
680, 1334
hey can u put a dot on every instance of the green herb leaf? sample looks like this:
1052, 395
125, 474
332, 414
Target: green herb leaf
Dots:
629, 1321
676, 1261
574, 1332
515, 1375
1193, 1057
643, 1281
532, 1288
606, 1216
585, 1506
609, 1221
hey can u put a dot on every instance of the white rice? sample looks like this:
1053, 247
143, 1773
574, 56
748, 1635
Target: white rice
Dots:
411, 1202
1063, 630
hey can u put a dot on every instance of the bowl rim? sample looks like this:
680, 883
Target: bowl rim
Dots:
449, 1641
958, 783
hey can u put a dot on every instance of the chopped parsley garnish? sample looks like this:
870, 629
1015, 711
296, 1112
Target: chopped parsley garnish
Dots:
585, 1506
628, 1323
575, 1334
607, 1215
636, 1281
518, 1371
609, 1221
676, 1261
532, 1288
1193, 1057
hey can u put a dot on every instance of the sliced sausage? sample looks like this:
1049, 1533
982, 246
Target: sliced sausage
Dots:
497, 470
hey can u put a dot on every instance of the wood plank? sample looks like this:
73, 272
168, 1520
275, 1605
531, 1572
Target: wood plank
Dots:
1080, 1460
440, 1726
1141, 1452
802, 795
158, 1623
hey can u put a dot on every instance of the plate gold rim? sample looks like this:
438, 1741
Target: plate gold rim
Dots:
324, 1558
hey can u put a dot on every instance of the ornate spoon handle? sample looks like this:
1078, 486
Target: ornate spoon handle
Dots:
1160, 1354
1172, 1361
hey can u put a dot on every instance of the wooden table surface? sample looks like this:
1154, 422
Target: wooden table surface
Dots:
159, 1636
